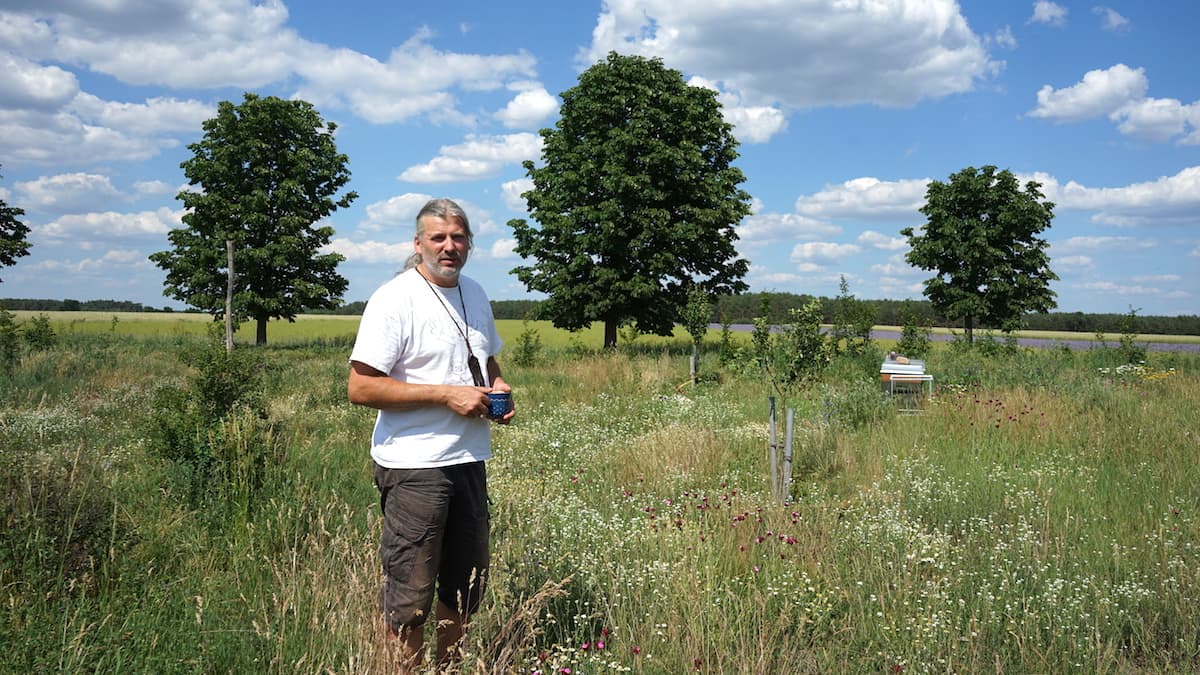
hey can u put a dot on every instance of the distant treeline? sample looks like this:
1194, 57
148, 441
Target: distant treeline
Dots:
37, 305
737, 309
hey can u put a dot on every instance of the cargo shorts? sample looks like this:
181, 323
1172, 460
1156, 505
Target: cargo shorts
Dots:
435, 536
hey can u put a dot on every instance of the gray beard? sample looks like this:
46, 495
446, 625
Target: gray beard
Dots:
436, 270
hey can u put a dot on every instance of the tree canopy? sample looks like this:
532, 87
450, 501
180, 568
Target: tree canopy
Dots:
13, 233
268, 170
981, 241
636, 200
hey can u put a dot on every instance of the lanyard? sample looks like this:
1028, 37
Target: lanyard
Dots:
472, 362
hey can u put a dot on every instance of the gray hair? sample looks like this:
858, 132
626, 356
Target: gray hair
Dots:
446, 209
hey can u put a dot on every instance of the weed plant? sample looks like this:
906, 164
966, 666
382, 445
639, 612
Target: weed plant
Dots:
1040, 516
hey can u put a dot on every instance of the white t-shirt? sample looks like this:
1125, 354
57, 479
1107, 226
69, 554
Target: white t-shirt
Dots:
412, 333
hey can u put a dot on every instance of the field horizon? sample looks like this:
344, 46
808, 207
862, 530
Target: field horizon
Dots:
308, 326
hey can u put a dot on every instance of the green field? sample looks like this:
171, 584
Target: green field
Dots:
309, 327
1038, 516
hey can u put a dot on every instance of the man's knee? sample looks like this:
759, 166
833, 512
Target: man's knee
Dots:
402, 607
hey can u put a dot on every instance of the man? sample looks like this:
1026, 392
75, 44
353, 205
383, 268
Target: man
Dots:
417, 359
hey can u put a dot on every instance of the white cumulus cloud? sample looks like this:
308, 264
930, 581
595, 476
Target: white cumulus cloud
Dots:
1168, 200
885, 52
751, 124
512, 190
1111, 19
395, 214
1099, 93
111, 224
1098, 243
478, 157
869, 199
882, 241
1119, 93
502, 249
154, 116
28, 85
1049, 13
1156, 120
67, 193
822, 253
529, 108
763, 228
371, 251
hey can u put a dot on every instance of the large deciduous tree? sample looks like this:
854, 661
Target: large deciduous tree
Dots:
636, 200
981, 240
13, 233
267, 171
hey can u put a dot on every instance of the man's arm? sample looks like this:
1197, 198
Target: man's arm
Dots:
375, 389
494, 376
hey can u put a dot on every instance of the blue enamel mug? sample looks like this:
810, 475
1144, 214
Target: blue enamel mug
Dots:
499, 403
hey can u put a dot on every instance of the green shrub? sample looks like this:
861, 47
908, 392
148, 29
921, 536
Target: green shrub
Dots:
10, 342
860, 367
39, 334
627, 335
528, 348
855, 404
915, 335
215, 430
577, 348
988, 345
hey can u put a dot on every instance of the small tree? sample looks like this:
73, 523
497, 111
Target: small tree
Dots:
528, 347
728, 351
852, 322
1129, 349
915, 337
636, 202
797, 352
802, 351
13, 233
695, 319
268, 170
760, 338
981, 241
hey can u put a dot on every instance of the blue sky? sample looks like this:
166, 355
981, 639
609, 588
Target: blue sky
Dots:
845, 109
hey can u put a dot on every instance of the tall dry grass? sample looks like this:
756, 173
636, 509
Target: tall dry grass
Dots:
1040, 516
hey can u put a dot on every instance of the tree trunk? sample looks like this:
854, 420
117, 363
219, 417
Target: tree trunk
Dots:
695, 362
969, 324
260, 337
610, 334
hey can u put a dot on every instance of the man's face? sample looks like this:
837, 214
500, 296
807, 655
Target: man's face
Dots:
443, 245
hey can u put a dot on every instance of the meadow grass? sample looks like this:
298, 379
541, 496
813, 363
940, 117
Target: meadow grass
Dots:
308, 327
1039, 516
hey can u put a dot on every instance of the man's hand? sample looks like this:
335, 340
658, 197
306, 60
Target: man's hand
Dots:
468, 401
498, 384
